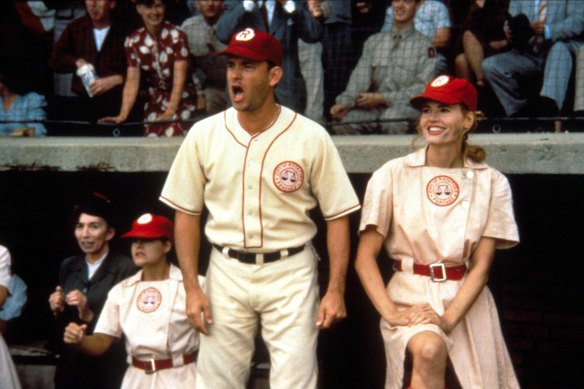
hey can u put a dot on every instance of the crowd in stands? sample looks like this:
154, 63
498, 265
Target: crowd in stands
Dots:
352, 65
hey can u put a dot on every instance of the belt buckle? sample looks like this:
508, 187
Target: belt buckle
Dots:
433, 274
151, 363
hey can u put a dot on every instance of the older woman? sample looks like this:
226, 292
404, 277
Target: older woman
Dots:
158, 52
84, 281
440, 213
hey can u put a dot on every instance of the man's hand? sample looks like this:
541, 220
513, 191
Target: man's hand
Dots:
332, 309
370, 100
113, 119
538, 28
105, 84
199, 311
338, 111
57, 301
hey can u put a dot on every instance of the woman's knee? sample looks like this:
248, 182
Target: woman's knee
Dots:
430, 348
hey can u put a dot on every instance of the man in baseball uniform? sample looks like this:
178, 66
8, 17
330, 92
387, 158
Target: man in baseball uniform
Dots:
259, 168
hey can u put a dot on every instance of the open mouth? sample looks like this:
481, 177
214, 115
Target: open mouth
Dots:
435, 130
237, 92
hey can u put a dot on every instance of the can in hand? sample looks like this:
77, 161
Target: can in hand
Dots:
87, 75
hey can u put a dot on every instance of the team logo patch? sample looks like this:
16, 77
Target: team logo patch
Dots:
288, 176
149, 300
245, 35
442, 191
145, 219
439, 81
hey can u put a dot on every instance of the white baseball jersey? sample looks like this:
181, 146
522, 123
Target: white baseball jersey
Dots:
259, 188
151, 315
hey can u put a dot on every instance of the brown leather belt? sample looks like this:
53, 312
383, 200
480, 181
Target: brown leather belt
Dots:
437, 271
153, 365
251, 258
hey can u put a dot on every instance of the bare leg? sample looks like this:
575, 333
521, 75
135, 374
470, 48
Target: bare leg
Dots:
474, 55
429, 356
462, 68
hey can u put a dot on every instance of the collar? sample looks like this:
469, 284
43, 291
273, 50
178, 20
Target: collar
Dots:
404, 32
174, 273
418, 159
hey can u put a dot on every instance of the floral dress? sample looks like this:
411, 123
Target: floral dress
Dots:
155, 57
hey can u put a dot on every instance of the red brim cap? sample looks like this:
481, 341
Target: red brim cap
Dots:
448, 90
149, 226
255, 45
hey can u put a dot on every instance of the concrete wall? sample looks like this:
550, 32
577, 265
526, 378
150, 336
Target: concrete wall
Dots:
538, 153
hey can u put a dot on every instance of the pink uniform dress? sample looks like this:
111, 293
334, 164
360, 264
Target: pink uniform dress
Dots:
429, 215
155, 57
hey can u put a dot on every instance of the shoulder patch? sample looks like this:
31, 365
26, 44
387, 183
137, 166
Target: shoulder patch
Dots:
431, 52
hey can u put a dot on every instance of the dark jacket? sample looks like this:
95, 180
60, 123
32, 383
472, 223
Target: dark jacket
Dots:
74, 369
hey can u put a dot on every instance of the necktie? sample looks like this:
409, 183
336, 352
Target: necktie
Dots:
542, 11
264, 12
211, 39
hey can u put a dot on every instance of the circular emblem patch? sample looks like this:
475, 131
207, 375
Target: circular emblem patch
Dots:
288, 176
442, 191
245, 35
439, 81
149, 300
145, 219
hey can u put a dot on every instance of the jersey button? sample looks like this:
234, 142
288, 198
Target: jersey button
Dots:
250, 187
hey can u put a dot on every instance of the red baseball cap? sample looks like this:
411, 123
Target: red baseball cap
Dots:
150, 226
448, 90
255, 45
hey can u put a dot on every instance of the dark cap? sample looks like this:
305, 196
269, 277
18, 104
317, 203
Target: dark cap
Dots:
150, 226
448, 90
95, 204
255, 45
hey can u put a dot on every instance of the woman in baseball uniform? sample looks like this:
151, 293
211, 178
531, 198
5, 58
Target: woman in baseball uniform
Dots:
149, 310
440, 212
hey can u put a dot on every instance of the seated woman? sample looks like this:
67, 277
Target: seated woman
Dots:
158, 53
18, 107
440, 212
482, 37
148, 308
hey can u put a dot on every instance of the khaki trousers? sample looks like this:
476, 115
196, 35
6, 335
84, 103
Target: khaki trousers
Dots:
281, 300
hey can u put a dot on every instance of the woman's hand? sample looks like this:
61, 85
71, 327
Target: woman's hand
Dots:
424, 314
74, 333
113, 119
57, 301
77, 299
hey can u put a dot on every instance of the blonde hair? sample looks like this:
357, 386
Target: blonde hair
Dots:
473, 152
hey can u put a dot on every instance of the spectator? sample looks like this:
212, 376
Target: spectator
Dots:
158, 52
18, 107
288, 21
95, 40
395, 65
433, 21
13, 306
310, 59
209, 69
337, 46
482, 36
579, 98
555, 29
148, 308
84, 281
8, 375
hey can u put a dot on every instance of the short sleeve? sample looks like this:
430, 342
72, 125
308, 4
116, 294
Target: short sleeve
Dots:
181, 52
330, 182
184, 186
130, 46
501, 223
378, 202
109, 319
5, 261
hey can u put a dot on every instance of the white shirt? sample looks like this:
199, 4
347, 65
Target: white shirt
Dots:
92, 267
99, 36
